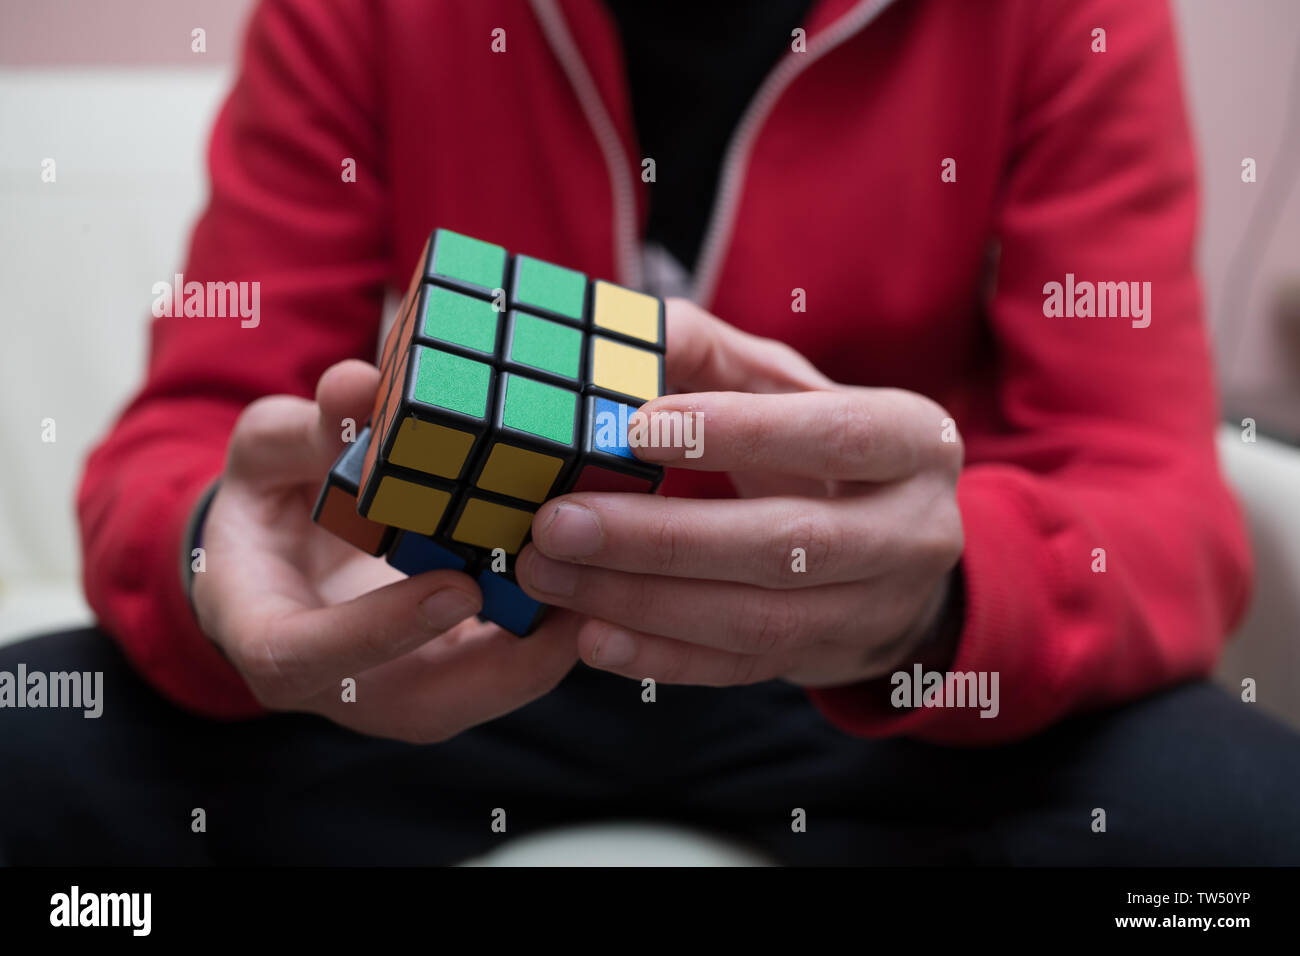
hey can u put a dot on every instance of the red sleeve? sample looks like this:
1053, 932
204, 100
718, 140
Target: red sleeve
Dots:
281, 216
1107, 430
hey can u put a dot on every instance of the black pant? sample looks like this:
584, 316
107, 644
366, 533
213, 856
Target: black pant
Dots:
1191, 776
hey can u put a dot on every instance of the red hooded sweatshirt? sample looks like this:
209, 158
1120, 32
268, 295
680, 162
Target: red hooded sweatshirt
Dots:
923, 171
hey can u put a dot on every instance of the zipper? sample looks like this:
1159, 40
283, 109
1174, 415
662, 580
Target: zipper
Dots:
727, 200
736, 161
626, 242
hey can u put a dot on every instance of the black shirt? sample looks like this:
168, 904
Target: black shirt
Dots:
693, 66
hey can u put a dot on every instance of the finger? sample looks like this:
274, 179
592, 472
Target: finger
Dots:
638, 655
849, 434
474, 674
275, 442
721, 614
291, 653
769, 542
285, 439
345, 395
706, 354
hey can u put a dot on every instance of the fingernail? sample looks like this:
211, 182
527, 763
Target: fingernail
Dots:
614, 649
572, 532
447, 608
552, 577
647, 446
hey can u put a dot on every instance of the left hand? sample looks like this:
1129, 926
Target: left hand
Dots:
296, 610
704, 591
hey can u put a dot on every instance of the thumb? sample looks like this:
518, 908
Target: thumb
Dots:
706, 354
282, 439
307, 649
345, 392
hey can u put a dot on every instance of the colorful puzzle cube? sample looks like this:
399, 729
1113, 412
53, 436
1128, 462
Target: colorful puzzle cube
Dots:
336, 507
504, 381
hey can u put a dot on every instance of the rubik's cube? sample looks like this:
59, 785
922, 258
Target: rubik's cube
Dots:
504, 381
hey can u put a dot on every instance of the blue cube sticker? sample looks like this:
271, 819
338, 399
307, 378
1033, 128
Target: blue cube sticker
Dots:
609, 428
415, 553
505, 603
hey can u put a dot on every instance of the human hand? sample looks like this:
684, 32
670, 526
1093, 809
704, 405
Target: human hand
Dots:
705, 591
296, 610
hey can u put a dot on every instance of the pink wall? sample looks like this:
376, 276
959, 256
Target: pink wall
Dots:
1239, 61
137, 33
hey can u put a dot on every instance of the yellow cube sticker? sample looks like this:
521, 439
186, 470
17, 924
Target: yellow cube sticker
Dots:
519, 472
405, 504
624, 368
491, 525
431, 448
626, 312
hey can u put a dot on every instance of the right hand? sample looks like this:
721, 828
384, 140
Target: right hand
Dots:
296, 610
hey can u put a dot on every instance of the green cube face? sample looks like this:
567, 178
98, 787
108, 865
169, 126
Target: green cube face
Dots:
467, 260
451, 382
540, 344
538, 409
459, 319
550, 288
